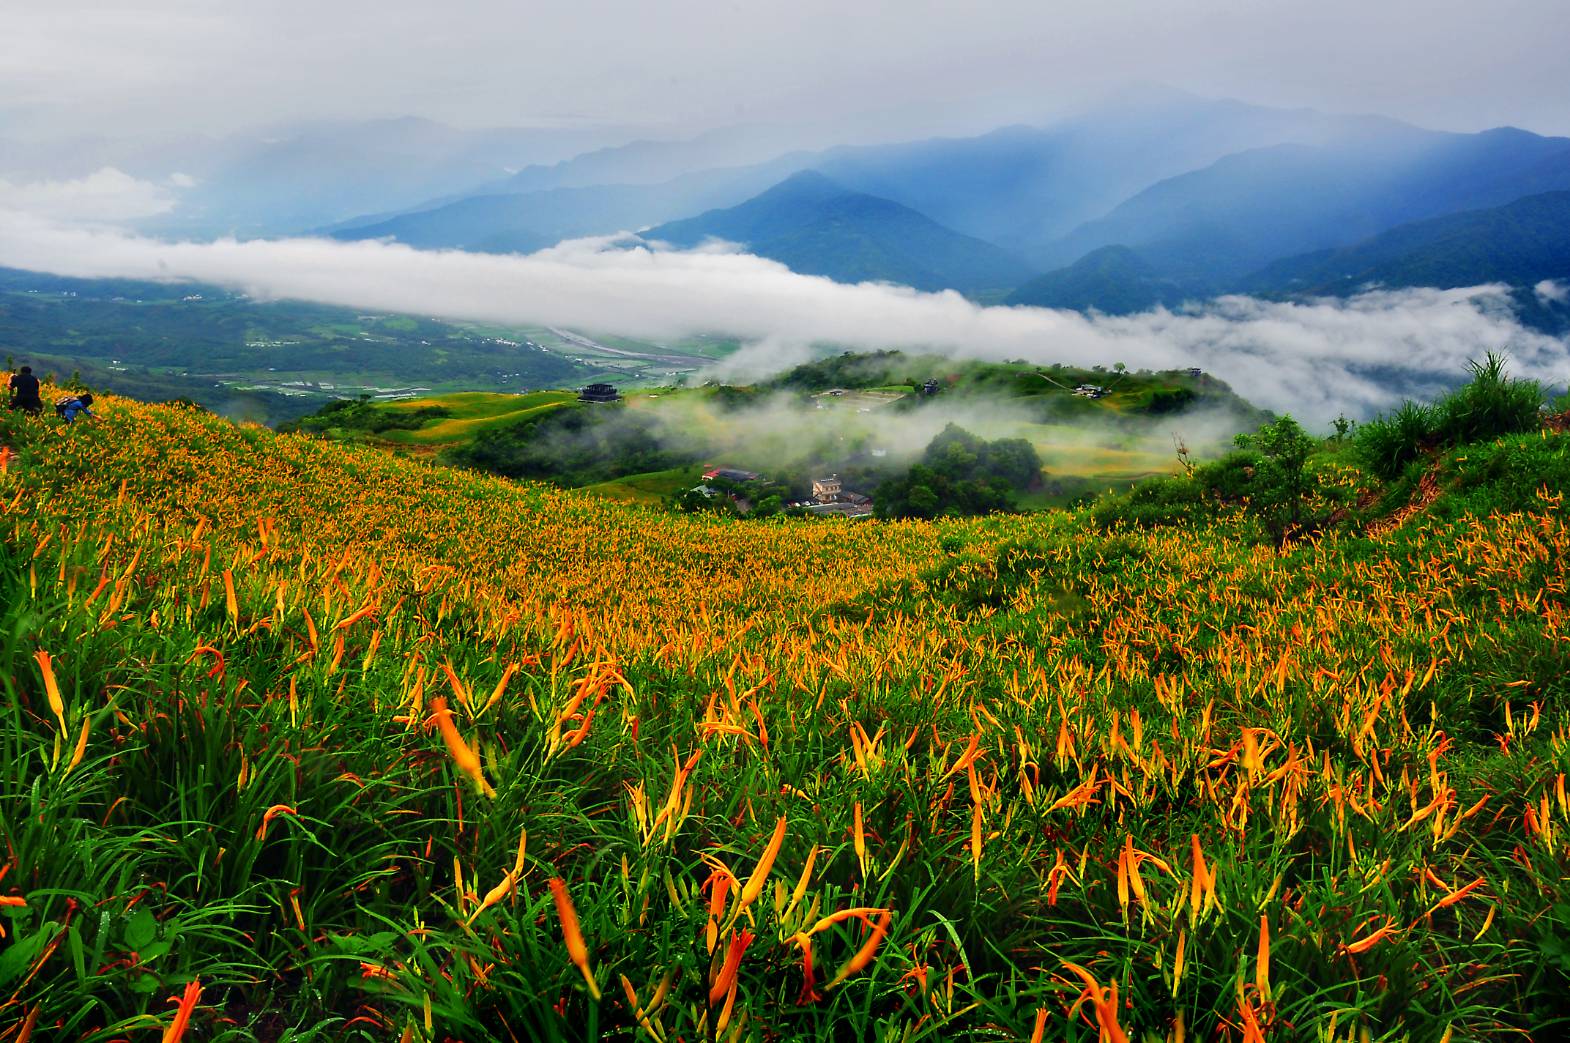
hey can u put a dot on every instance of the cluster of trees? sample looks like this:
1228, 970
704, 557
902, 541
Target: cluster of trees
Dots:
852, 370
760, 498
958, 474
574, 446
362, 416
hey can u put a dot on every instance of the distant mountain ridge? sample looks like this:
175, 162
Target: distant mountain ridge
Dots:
1521, 243
529, 221
1113, 280
1021, 188
1242, 212
300, 178
1126, 208
815, 226
1026, 187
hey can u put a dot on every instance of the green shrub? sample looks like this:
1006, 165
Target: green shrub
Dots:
1269, 475
1154, 503
1282, 483
1489, 405
1229, 479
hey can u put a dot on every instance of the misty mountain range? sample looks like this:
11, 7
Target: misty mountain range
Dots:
1151, 201
815, 226
1130, 207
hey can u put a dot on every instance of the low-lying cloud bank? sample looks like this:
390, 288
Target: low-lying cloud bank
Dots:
1314, 359
106, 195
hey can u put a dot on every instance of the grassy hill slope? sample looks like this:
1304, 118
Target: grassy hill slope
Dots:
349, 743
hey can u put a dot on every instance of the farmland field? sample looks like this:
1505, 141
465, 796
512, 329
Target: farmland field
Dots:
336, 746
471, 412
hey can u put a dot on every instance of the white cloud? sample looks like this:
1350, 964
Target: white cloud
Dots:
1313, 359
1550, 292
107, 195
206, 64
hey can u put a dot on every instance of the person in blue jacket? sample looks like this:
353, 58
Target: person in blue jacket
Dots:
68, 409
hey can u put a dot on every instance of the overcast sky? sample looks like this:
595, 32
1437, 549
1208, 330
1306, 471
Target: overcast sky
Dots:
155, 66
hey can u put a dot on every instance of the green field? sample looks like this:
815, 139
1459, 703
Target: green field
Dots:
472, 412
652, 488
272, 361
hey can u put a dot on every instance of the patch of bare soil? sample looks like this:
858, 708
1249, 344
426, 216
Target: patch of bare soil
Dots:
1427, 493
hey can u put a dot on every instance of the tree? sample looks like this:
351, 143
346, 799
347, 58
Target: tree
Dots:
922, 502
960, 474
1282, 482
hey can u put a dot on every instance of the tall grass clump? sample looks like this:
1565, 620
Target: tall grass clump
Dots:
1489, 405
1387, 444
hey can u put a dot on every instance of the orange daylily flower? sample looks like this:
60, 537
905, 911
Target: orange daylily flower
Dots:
866, 953
182, 1015
51, 688
727, 975
577, 951
270, 814
465, 758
